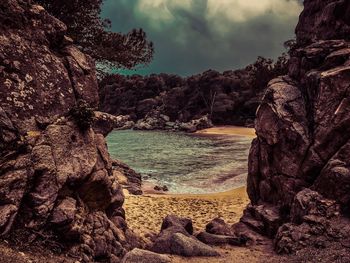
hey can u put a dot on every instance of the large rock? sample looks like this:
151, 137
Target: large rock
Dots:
128, 178
189, 247
35, 81
315, 222
56, 179
174, 221
324, 20
218, 226
144, 256
298, 180
176, 238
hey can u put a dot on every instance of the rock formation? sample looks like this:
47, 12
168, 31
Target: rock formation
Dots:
128, 178
299, 177
154, 120
56, 180
104, 123
176, 238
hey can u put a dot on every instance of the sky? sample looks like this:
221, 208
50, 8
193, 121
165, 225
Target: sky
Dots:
191, 36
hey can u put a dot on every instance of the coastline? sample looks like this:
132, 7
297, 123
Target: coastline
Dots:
201, 208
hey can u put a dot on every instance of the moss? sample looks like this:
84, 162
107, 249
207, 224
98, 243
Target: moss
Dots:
82, 115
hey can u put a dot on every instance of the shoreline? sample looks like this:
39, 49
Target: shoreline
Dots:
225, 130
201, 208
148, 190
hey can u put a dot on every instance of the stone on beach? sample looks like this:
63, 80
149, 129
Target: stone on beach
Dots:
176, 238
144, 256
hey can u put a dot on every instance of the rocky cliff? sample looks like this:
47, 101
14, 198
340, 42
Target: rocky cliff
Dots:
299, 164
56, 180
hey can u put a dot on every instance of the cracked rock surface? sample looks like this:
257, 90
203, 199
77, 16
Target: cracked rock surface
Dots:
56, 181
299, 177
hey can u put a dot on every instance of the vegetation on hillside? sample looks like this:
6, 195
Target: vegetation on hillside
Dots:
230, 97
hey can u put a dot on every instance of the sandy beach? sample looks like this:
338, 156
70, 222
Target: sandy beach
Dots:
145, 213
229, 130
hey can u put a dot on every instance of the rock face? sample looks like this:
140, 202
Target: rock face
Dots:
56, 180
324, 20
299, 177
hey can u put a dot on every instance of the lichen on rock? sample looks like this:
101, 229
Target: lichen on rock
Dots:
56, 179
299, 162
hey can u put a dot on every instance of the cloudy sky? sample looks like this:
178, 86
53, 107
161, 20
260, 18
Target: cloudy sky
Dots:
191, 36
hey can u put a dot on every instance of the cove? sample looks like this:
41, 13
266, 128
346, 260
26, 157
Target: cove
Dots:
186, 163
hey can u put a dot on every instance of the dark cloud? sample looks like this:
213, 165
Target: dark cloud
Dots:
191, 36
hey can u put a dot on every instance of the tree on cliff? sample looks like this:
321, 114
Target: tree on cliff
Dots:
93, 35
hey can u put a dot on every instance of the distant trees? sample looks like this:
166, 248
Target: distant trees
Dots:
228, 97
93, 35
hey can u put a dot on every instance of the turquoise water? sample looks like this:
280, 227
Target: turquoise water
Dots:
186, 163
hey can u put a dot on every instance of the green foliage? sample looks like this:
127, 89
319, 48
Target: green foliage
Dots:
93, 35
82, 115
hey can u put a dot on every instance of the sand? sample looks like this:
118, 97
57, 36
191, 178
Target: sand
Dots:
229, 130
145, 213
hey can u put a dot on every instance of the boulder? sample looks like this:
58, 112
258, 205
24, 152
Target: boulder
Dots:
127, 177
64, 212
218, 226
176, 238
174, 221
187, 246
196, 124
154, 120
144, 256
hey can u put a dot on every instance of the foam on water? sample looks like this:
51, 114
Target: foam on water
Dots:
186, 163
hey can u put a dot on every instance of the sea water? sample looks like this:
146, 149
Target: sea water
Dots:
185, 163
